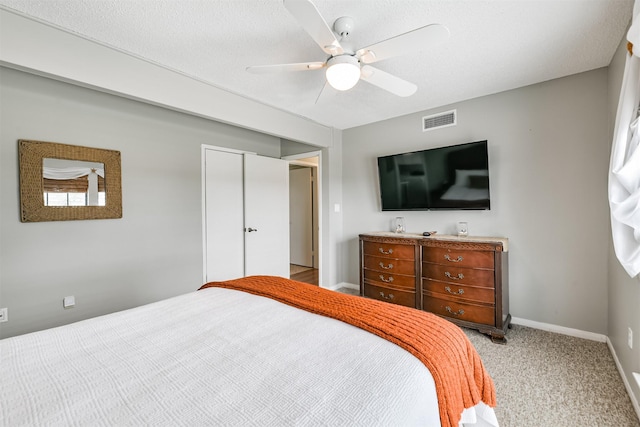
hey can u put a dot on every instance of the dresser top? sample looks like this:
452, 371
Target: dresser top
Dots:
446, 237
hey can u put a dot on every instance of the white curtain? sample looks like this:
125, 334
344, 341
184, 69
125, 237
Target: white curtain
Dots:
624, 170
69, 173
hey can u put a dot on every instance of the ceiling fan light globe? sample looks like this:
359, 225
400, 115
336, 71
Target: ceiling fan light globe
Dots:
343, 72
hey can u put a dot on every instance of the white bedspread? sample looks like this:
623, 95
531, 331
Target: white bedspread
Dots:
213, 357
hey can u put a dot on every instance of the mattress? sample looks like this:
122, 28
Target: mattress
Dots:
215, 357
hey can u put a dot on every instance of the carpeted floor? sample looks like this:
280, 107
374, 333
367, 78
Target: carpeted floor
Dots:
545, 379
349, 291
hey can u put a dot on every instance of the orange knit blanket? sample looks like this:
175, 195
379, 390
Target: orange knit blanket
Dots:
460, 377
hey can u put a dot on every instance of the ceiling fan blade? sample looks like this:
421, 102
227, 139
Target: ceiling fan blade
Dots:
309, 17
387, 81
278, 68
404, 44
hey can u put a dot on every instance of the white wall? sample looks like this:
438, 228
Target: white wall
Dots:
153, 252
548, 161
32, 46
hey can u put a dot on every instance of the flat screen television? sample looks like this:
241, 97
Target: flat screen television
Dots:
447, 178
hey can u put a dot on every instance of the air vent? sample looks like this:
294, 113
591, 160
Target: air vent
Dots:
439, 120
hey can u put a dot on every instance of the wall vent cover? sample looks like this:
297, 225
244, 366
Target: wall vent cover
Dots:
440, 120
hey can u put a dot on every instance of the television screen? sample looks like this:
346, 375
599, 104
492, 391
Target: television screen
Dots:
454, 177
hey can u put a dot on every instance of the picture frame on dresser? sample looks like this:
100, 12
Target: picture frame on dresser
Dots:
463, 279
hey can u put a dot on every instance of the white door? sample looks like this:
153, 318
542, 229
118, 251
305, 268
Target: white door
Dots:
301, 216
266, 216
241, 192
224, 215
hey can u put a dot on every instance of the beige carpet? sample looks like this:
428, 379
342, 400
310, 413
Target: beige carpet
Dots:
545, 379
550, 380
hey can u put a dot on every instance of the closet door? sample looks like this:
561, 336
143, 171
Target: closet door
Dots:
246, 215
224, 215
266, 213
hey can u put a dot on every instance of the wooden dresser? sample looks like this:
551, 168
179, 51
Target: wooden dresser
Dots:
462, 279
389, 270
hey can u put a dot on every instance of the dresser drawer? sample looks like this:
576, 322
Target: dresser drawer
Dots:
458, 257
466, 311
455, 291
389, 250
455, 274
392, 280
405, 298
386, 265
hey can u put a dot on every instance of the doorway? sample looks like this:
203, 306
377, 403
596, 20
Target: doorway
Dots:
304, 217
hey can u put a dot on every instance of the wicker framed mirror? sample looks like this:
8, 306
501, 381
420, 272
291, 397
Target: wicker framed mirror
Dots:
61, 182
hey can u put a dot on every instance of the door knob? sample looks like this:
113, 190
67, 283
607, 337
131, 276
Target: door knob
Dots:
249, 230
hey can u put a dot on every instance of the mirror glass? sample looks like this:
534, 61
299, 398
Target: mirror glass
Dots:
73, 183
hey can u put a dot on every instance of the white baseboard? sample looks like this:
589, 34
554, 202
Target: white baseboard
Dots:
559, 329
343, 285
519, 321
627, 386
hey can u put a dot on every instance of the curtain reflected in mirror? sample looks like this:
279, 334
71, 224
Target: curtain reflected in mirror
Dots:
73, 183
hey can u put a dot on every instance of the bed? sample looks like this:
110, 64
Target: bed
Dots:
257, 351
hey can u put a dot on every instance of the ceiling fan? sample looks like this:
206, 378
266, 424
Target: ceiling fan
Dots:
345, 66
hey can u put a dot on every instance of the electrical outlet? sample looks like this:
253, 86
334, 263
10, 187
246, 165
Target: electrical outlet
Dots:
69, 302
4, 314
630, 338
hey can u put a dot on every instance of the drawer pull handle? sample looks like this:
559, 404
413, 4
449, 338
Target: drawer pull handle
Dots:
389, 267
389, 297
448, 289
389, 280
448, 258
455, 313
460, 276
382, 251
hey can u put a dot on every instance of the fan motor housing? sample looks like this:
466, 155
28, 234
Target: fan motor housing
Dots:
343, 26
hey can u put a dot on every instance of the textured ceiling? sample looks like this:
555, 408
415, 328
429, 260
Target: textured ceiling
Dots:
495, 45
